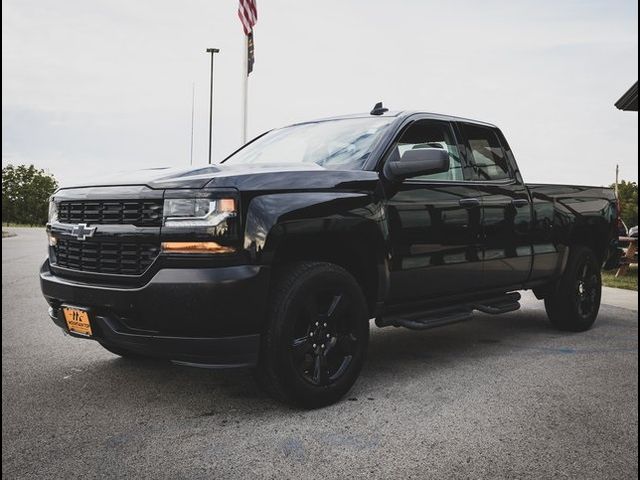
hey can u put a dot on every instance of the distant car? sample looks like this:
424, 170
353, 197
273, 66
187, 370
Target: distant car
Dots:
625, 242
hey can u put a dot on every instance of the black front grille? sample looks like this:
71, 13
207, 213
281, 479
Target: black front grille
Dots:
111, 212
105, 257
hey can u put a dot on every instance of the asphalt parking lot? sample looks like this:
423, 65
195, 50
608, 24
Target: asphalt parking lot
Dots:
497, 397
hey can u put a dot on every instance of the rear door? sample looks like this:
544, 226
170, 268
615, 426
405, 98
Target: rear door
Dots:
507, 254
434, 221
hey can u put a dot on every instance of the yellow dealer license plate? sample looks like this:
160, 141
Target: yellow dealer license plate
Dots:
77, 320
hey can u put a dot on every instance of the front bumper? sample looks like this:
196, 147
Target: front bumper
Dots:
206, 316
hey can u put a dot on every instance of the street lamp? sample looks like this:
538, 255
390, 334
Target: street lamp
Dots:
212, 51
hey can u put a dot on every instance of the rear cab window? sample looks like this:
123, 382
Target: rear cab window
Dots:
487, 157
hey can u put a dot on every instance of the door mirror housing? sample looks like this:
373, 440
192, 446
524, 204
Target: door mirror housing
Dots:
413, 163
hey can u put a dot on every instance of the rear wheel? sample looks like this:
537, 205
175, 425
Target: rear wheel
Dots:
573, 306
317, 336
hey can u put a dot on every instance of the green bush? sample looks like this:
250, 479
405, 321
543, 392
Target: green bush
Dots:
25, 194
628, 194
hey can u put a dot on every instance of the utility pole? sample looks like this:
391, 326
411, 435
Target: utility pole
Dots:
193, 109
212, 51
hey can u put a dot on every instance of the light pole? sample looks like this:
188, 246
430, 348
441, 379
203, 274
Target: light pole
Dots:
193, 114
212, 51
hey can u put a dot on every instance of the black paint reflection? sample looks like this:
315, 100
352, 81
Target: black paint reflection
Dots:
435, 242
506, 223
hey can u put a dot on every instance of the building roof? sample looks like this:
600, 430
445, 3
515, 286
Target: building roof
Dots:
629, 101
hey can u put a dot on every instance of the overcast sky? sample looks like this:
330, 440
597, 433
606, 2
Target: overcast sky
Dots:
91, 87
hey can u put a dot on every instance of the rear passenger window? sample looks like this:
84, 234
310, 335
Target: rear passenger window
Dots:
488, 158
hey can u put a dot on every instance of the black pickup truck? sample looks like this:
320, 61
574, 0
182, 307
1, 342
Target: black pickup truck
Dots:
278, 257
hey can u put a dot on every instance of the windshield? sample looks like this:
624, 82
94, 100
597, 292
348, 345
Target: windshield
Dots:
334, 144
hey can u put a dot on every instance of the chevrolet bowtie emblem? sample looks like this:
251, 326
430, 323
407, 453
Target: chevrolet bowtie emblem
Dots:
82, 231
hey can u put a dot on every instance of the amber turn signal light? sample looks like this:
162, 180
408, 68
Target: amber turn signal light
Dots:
227, 205
195, 247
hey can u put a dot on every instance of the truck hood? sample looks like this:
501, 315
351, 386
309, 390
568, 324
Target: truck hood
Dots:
242, 177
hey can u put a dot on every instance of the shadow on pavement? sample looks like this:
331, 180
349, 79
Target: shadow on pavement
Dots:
400, 353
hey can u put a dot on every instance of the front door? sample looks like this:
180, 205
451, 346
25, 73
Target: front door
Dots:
435, 222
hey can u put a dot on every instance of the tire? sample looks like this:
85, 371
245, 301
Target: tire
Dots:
574, 304
316, 337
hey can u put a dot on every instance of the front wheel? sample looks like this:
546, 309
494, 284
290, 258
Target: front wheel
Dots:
317, 336
574, 304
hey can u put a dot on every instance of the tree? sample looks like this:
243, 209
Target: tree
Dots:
628, 194
25, 194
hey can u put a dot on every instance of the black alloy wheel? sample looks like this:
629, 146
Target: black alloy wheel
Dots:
316, 339
574, 302
587, 288
325, 338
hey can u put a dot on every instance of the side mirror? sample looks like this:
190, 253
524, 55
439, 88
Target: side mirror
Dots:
413, 163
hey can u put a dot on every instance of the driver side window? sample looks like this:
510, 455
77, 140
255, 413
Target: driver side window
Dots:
431, 134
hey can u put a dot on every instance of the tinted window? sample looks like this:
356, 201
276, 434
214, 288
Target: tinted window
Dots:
488, 159
431, 134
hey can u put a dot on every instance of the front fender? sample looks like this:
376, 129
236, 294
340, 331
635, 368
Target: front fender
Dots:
272, 218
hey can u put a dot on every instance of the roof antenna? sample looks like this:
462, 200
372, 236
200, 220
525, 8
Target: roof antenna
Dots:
378, 109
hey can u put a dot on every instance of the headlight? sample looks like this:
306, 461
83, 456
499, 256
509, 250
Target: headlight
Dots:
198, 212
53, 211
198, 225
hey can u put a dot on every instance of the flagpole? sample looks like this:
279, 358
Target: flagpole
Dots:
245, 88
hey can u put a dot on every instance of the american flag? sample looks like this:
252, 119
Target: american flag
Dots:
248, 13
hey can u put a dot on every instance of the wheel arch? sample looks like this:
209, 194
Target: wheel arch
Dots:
593, 237
347, 229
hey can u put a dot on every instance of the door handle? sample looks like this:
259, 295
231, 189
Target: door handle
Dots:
469, 202
520, 202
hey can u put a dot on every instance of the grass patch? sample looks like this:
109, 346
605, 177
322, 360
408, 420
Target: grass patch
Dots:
628, 282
